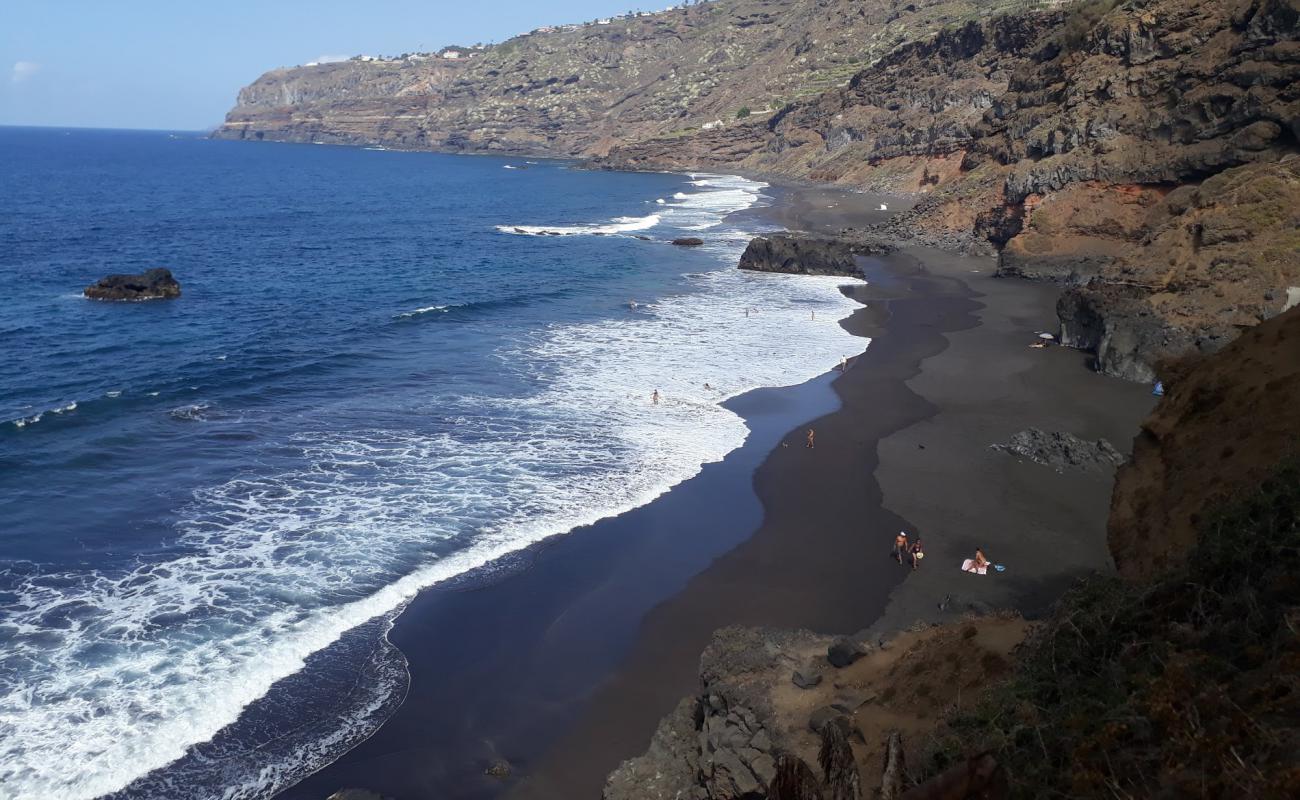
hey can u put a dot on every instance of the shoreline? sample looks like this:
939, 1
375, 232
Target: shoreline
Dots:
524, 609
564, 667
921, 409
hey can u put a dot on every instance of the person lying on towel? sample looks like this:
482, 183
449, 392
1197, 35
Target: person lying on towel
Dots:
978, 565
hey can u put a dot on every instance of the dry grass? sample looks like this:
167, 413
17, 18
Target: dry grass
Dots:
1188, 687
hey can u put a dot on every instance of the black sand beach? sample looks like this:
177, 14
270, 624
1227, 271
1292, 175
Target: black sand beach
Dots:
564, 668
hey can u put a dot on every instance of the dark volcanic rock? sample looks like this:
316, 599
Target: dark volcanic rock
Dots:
688, 241
357, 794
1062, 450
152, 284
499, 768
828, 715
843, 652
801, 255
1116, 324
718, 744
805, 680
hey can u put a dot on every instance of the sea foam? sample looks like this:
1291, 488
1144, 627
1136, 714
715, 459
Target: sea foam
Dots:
272, 567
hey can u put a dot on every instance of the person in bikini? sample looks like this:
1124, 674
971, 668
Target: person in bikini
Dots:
916, 552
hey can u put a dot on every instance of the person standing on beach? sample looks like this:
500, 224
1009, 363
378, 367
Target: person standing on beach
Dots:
916, 552
844, 364
812, 436
654, 398
900, 546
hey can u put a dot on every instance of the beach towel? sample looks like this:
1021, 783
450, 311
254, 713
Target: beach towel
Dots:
969, 566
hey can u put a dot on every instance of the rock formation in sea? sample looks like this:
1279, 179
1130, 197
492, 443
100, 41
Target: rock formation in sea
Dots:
153, 284
800, 255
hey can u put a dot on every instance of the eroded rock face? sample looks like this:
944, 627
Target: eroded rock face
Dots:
718, 745
800, 255
1217, 258
154, 284
1225, 422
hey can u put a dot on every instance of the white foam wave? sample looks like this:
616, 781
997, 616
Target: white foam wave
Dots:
615, 226
418, 311
32, 419
195, 412
274, 566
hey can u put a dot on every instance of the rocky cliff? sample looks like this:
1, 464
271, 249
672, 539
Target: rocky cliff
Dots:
1225, 424
1141, 152
578, 90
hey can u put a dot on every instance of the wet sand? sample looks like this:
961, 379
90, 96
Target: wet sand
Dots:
564, 661
948, 373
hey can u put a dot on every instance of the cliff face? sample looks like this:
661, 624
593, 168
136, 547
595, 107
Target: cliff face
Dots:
1141, 152
1228, 420
579, 90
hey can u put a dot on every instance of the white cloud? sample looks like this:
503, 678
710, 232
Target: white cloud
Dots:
330, 59
24, 70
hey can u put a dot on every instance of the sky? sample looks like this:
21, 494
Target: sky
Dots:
178, 65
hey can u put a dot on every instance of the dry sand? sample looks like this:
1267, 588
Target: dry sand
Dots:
949, 373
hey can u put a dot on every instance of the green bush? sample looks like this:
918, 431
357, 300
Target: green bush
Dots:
743, 112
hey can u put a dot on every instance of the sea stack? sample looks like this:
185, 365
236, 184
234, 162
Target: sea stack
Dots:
153, 284
800, 255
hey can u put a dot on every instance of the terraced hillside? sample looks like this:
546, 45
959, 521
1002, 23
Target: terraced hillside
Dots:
578, 90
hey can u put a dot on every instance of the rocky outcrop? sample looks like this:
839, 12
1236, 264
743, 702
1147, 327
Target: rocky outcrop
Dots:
1062, 451
1218, 258
800, 255
688, 241
153, 284
719, 744
1225, 422
740, 735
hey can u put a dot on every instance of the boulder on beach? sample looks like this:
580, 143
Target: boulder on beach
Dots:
844, 651
1060, 450
800, 255
153, 284
688, 241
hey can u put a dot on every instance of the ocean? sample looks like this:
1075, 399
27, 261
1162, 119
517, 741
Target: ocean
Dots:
387, 370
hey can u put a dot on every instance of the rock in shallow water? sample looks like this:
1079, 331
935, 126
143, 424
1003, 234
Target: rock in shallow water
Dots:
801, 255
688, 241
154, 284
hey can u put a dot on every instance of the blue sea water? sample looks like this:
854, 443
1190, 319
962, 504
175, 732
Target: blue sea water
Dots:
386, 370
